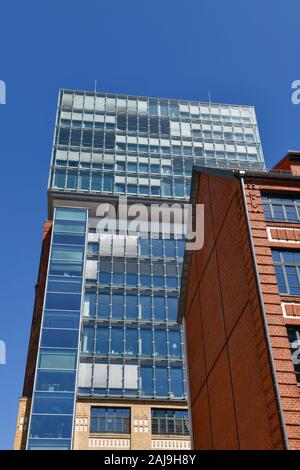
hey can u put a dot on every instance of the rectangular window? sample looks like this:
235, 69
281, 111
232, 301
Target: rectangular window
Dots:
110, 420
294, 339
102, 335
168, 421
117, 342
287, 267
285, 209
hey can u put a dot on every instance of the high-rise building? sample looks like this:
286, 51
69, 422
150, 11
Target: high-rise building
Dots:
240, 301
105, 366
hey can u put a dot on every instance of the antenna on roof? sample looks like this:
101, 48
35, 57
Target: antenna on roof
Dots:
209, 97
95, 89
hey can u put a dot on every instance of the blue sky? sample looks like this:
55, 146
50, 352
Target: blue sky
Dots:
242, 52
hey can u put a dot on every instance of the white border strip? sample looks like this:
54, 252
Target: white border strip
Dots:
285, 315
280, 240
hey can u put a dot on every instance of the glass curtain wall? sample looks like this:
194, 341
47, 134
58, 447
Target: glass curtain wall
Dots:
52, 411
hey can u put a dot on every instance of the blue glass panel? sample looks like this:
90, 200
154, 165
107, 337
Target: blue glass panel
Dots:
70, 214
87, 343
69, 227
50, 426
131, 306
57, 381
57, 319
160, 343
161, 375
145, 302
103, 305
131, 344
63, 301
67, 253
102, 335
61, 268
68, 239
146, 342
146, 380
53, 403
175, 343
117, 305
177, 386
172, 304
159, 308
57, 359
49, 444
64, 284
117, 343
52, 338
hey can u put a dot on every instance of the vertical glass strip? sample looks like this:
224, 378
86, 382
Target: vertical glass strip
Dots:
53, 402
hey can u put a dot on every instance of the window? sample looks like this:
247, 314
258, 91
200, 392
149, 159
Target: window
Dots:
51, 426
172, 306
53, 403
170, 422
117, 305
131, 344
131, 307
287, 267
63, 301
57, 359
55, 381
93, 248
159, 308
177, 385
146, 380
145, 306
110, 420
161, 376
286, 209
87, 345
160, 344
103, 305
146, 342
117, 343
175, 349
102, 334
53, 338
294, 339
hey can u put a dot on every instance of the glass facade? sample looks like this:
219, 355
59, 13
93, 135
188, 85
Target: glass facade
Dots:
52, 412
131, 344
112, 299
142, 146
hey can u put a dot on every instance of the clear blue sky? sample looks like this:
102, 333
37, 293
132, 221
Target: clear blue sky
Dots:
243, 52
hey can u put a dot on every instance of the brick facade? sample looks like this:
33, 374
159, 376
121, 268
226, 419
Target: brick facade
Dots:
24, 404
233, 396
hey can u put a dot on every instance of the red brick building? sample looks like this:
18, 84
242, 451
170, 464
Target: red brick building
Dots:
240, 303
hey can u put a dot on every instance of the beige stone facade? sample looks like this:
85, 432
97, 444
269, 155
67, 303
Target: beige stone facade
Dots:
22, 423
140, 437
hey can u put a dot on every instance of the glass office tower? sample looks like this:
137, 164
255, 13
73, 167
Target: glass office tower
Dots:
109, 367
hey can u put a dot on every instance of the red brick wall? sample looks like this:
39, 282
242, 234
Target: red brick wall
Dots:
232, 395
289, 391
37, 311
